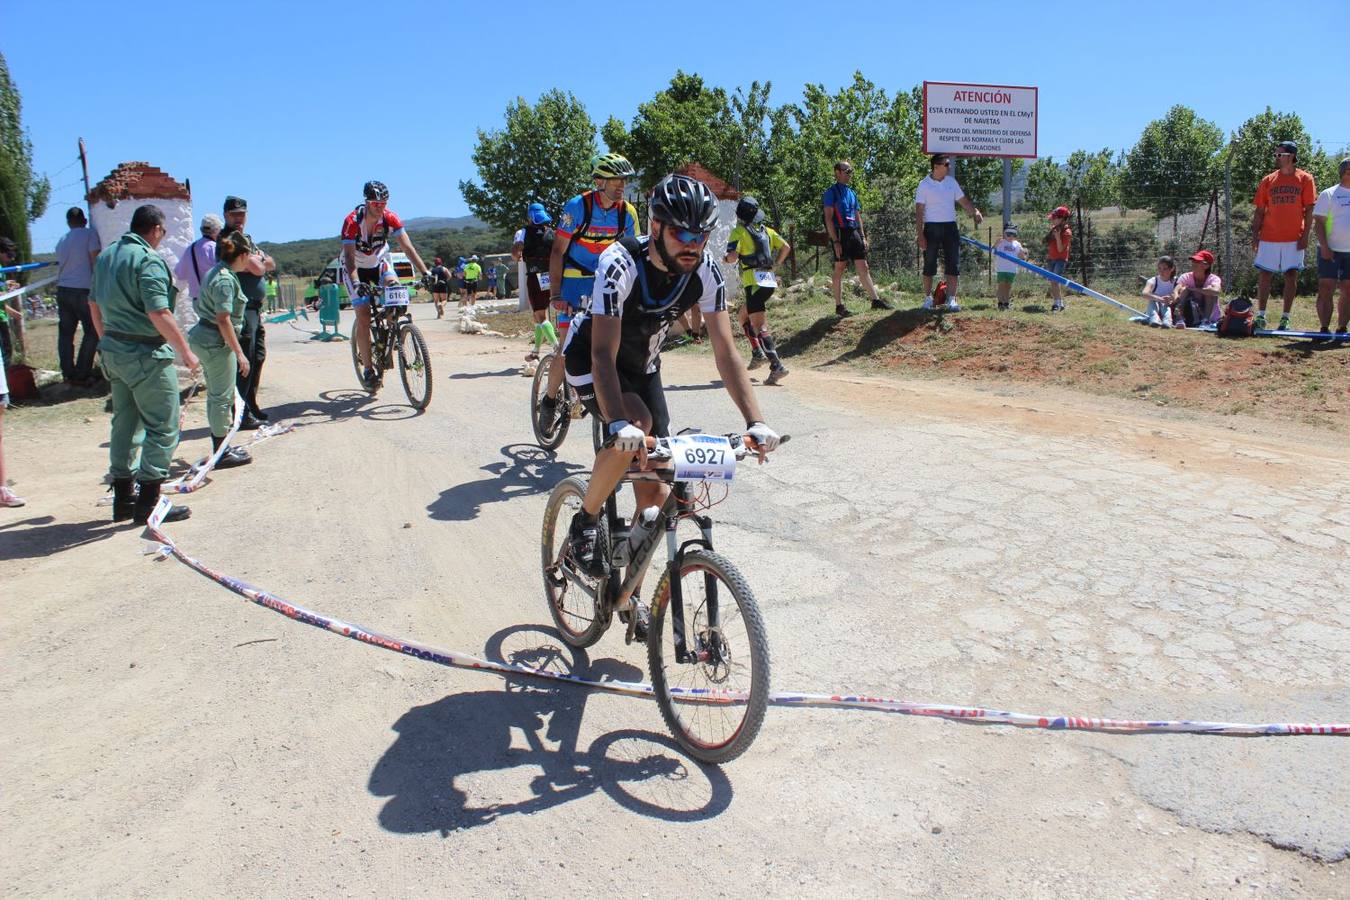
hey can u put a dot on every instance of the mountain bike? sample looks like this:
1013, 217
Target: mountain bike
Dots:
393, 334
549, 435
707, 650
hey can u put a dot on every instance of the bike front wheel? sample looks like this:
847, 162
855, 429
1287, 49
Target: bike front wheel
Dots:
574, 598
414, 365
356, 361
714, 701
549, 435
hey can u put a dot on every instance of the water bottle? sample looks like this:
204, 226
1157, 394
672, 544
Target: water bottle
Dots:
643, 523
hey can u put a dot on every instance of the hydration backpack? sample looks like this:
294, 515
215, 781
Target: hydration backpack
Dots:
762, 258
1238, 319
538, 243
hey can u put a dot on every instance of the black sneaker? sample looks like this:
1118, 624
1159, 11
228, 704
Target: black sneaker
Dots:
369, 380
878, 303
842, 311
642, 621
584, 537
549, 412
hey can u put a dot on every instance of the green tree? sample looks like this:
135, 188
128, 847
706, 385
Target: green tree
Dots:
543, 154
860, 122
1174, 166
23, 195
685, 122
1253, 151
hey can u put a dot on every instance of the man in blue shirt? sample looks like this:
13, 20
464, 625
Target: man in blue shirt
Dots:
848, 238
75, 255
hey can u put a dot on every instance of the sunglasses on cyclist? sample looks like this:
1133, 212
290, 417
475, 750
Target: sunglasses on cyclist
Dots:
685, 236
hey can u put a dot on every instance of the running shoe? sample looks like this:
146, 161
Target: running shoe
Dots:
369, 380
1058, 307
927, 302
842, 311
756, 362
777, 375
1284, 323
584, 538
9, 498
878, 303
953, 306
1260, 322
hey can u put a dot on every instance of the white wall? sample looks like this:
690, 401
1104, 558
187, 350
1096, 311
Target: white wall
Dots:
111, 224
717, 247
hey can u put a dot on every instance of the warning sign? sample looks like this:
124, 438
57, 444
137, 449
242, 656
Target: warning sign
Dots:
979, 119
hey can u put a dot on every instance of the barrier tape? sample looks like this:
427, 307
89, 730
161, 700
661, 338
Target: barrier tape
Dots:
974, 715
27, 289
24, 267
1051, 276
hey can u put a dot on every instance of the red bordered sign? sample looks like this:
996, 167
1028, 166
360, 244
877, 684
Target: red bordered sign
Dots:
979, 119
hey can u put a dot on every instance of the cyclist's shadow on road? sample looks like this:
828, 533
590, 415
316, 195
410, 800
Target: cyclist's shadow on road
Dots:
527, 470
469, 759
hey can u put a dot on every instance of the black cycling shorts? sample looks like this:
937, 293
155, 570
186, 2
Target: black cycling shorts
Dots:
946, 236
647, 387
471, 287
850, 245
756, 298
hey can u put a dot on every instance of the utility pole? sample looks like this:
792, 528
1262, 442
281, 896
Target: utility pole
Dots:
84, 164
1007, 192
1227, 268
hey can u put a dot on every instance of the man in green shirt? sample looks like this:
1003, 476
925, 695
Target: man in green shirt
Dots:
131, 302
472, 272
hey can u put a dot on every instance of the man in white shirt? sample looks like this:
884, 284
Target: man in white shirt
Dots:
75, 256
935, 221
1331, 218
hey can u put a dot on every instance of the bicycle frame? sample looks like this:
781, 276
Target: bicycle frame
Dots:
667, 522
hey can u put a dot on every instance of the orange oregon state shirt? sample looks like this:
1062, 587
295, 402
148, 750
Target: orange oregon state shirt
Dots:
1284, 198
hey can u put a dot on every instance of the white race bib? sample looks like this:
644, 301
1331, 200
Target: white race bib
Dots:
765, 278
395, 296
544, 283
702, 457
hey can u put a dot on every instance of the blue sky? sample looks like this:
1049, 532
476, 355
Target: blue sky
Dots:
295, 104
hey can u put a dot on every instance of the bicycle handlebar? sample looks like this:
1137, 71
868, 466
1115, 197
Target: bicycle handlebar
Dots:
742, 445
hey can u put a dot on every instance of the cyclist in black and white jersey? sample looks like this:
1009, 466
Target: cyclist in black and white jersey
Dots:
613, 349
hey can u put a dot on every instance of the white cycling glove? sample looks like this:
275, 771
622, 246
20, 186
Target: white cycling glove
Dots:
628, 438
764, 436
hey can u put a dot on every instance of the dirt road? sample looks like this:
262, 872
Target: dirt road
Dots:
1016, 549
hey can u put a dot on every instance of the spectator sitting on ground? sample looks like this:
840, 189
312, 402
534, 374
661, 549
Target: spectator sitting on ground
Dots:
1197, 293
1160, 291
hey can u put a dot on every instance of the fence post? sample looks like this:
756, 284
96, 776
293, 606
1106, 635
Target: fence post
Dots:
990, 263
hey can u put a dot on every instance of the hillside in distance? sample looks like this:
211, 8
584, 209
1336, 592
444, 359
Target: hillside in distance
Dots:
440, 223
308, 257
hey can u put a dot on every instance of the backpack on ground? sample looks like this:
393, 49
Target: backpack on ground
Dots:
940, 293
1238, 319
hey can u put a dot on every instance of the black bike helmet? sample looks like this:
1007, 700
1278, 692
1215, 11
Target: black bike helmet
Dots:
375, 190
747, 209
684, 202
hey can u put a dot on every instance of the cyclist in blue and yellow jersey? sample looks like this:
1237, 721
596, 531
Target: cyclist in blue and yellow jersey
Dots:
590, 222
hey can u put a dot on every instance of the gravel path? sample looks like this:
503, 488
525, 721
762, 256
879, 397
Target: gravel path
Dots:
1020, 549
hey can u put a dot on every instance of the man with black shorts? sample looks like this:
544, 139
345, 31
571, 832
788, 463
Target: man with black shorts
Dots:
533, 246
613, 349
365, 261
848, 237
440, 286
935, 221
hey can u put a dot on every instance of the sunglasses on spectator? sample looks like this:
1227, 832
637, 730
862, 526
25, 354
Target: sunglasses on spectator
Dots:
685, 236
1279, 153
847, 170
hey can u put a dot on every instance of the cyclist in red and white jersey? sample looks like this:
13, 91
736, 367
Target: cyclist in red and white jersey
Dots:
365, 259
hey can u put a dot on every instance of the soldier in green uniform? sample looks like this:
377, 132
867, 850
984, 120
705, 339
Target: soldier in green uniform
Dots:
254, 336
215, 339
131, 302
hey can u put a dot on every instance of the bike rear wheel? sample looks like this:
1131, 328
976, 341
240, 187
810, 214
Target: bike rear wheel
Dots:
549, 435
414, 365
581, 618
725, 630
